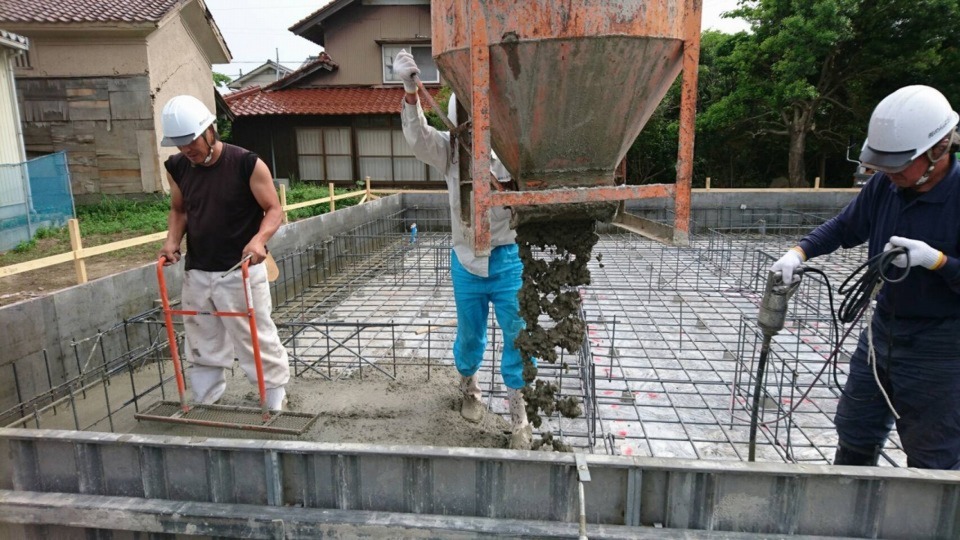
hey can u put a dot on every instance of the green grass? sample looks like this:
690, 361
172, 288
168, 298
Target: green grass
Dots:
118, 215
306, 191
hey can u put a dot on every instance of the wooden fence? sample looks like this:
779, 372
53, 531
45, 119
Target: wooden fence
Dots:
78, 253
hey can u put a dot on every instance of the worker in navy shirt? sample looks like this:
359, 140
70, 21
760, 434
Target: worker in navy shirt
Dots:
913, 201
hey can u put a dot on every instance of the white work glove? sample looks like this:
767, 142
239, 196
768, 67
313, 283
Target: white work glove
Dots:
787, 265
405, 68
921, 254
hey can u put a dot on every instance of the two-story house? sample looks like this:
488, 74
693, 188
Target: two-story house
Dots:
337, 119
97, 75
262, 75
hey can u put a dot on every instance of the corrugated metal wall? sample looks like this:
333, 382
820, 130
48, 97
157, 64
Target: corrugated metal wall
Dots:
13, 173
11, 146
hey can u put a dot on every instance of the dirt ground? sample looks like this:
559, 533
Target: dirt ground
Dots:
43, 281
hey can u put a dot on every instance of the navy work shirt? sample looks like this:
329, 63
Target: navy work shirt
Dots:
882, 210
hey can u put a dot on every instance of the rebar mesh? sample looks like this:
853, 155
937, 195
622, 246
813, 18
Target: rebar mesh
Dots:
667, 370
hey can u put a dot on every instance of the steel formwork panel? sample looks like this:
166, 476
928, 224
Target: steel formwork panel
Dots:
666, 373
453, 484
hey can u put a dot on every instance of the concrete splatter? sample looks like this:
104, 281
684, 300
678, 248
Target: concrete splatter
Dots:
555, 258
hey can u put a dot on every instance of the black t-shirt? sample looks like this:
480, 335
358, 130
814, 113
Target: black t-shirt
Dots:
222, 213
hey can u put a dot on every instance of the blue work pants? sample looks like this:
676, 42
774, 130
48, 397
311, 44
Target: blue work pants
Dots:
918, 363
473, 295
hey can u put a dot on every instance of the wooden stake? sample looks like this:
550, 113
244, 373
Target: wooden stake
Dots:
77, 245
283, 202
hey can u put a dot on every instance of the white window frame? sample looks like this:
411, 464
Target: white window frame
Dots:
429, 73
323, 155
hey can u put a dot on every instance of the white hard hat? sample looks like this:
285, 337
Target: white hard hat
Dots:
906, 124
184, 118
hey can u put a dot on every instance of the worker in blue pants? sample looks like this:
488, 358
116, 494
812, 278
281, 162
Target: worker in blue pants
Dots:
478, 281
473, 295
912, 379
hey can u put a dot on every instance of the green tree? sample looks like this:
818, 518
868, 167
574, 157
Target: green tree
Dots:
720, 148
220, 80
813, 69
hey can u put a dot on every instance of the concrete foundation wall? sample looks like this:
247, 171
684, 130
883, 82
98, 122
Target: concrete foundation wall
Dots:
708, 209
52, 323
758, 199
733, 209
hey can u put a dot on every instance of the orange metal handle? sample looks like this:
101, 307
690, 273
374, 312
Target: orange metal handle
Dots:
433, 104
252, 318
171, 335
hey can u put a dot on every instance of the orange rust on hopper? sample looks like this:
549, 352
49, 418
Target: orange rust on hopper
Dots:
561, 128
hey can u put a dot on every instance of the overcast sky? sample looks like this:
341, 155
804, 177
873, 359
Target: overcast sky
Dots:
256, 30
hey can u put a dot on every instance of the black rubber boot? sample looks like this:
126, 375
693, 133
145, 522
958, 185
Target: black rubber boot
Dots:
847, 455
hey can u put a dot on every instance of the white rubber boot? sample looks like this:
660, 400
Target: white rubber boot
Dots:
207, 383
472, 406
276, 398
521, 437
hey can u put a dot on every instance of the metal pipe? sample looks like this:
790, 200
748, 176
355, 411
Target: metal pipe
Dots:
688, 118
480, 117
171, 337
583, 511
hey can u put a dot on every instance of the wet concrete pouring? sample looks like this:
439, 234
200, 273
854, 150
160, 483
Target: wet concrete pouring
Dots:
664, 331
555, 261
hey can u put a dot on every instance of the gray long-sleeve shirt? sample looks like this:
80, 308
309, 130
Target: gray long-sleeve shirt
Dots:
433, 148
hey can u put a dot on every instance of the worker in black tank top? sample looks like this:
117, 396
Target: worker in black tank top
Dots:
222, 212
223, 199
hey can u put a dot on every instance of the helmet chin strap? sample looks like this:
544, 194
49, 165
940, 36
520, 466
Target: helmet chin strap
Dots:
933, 163
206, 160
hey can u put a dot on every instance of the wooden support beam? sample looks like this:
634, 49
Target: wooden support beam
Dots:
283, 202
313, 202
77, 244
82, 253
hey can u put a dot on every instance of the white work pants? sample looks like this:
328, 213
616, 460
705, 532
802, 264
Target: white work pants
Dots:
212, 342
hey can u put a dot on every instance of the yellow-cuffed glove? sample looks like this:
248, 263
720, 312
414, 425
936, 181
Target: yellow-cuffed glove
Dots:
921, 254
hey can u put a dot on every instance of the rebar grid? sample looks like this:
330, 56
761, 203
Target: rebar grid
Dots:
667, 369
682, 339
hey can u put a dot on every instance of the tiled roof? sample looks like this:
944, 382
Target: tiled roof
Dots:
75, 11
322, 61
317, 101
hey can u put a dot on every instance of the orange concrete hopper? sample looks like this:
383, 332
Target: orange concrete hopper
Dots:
560, 90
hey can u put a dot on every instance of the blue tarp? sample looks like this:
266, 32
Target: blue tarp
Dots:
47, 200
